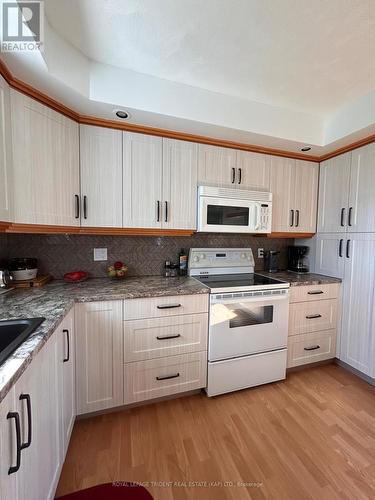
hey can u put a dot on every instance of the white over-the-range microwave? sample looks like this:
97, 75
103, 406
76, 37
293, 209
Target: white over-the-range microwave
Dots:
225, 210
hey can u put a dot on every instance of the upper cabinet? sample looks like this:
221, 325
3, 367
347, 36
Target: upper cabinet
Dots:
5, 154
294, 187
347, 192
233, 168
46, 164
160, 182
101, 177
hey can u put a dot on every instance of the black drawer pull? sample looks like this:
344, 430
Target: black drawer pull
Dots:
342, 223
312, 348
315, 292
292, 220
239, 175
350, 216
167, 337
233, 175
77, 206
297, 218
67, 345
340, 247
313, 316
15, 415
171, 306
167, 377
27, 398
166, 212
348, 249
158, 211
85, 207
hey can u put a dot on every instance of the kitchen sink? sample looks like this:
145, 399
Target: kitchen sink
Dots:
14, 332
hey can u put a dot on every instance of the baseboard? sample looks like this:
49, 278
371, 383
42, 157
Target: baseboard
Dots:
359, 374
315, 364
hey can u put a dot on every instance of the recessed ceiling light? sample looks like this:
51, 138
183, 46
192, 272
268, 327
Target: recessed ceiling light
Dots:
305, 148
122, 114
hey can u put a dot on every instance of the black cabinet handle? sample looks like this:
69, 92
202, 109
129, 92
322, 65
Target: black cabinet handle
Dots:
313, 316
340, 247
171, 306
239, 175
315, 292
166, 212
15, 415
167, 337
348, 249
67, 345
158, 211
27, 398
312, 348
85, 207
292, 221
342, 217
77, 206
167, 377
350, 216
233, 175
297, 218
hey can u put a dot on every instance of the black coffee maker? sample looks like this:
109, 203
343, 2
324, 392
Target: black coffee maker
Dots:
297, 259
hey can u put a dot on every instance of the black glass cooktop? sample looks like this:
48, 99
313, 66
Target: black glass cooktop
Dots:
237, 280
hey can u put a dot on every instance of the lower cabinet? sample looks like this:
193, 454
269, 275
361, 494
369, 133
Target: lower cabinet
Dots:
67, 362
312, 324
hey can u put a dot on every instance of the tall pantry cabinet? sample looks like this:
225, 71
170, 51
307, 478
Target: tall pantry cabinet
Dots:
345, 248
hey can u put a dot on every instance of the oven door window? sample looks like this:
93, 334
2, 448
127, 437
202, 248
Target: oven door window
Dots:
250, 315
221, 215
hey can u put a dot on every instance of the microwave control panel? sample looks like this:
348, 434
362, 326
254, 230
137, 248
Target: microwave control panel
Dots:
265, 217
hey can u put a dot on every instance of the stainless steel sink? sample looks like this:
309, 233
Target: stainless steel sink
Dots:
14, 332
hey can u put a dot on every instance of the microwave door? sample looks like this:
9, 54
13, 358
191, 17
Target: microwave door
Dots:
224, 215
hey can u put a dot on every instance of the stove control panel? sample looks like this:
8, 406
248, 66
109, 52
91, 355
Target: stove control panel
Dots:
210, 260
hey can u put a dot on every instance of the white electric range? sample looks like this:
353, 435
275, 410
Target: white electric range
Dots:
248, 319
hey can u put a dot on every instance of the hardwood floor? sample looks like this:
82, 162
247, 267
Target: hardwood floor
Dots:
309, 437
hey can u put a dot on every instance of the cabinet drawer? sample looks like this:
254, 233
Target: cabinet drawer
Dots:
305, 317
313, 292
311, 347
158, 307
159, 337
164, 376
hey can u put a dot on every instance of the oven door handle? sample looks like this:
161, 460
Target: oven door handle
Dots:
244, 300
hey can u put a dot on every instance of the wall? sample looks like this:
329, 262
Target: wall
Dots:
58, 254
3, 246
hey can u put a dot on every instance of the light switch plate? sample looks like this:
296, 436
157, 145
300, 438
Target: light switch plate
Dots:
100, 254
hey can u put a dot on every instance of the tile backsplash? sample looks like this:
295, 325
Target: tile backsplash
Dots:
59, 254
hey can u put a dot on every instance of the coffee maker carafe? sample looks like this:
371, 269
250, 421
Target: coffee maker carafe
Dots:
298, 261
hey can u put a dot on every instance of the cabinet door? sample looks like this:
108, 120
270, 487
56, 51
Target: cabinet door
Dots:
330, 254
8, 448
362, 191
45, 164
217, 166
5, 154
253, 171
358, 303
67, 357
142, 204
306, 196
282, 188
101, 177
99, 371
180, 163
333, 194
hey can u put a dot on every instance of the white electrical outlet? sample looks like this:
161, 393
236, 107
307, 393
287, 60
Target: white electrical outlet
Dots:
260, 253
100, 254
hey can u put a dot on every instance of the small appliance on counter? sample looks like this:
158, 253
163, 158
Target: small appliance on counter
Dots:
6, 279
22, 269
271, 261
298, 261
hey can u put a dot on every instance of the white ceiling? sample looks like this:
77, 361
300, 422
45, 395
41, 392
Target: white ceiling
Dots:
306, 55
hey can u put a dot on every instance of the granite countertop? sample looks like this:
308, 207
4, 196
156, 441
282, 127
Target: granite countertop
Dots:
295, 279
54, 301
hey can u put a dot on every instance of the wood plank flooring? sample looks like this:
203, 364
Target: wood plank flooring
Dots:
309, 437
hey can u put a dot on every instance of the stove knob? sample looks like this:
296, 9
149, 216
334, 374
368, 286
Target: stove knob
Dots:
243, 256
196, 258
202, 256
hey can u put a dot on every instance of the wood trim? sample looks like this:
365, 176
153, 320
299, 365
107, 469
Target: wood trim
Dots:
17, 228
290, 235
349, 147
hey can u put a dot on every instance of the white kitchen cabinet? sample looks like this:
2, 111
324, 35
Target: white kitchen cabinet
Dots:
333, 194
142, 180
101, 177
6, 171
358, 321
294, 187
253, 171
217, 166
99, 355
330, 254
179, 184
67, 364
45, 164
8, 448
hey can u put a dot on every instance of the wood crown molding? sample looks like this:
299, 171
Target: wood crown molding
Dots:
34, 93
290, 235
